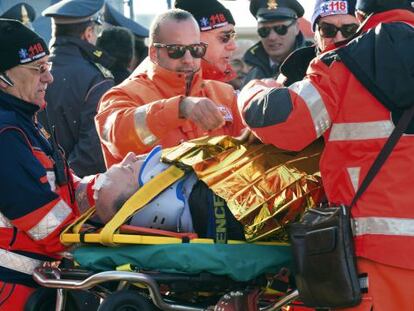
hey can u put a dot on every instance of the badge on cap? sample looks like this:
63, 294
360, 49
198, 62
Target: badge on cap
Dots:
35, 51
25, 15
333, 8
272, 5
214, 21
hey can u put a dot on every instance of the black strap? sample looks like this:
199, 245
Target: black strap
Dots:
402, 125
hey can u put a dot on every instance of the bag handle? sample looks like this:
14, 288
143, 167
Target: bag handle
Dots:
402, 125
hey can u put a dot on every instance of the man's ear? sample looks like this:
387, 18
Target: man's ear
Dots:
297, 29
88, 34
152, 52
5, 81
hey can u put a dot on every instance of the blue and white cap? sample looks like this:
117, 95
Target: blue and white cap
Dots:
331, 7
75, 11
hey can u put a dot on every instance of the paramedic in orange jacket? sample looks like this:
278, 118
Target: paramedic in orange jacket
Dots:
166, 101
217, 30
332, 102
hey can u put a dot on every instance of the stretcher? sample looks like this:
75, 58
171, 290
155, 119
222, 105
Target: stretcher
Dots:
132, 268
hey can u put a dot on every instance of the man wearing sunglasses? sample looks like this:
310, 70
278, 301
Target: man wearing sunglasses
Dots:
354, 97
334, 22
217, 30
280, 35
166, 101
81, 78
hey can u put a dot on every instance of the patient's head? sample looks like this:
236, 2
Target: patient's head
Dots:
114, 187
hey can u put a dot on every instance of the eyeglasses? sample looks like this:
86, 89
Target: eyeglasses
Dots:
226, 37
176, 51
327, 30
41, 68
281, 30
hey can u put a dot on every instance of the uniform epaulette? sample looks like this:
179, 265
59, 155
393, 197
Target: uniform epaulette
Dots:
330, 57
105, 72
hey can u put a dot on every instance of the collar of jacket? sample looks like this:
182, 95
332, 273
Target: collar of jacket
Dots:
87, 49
211, 72
12, 103
387, 17
256, 55
171, 83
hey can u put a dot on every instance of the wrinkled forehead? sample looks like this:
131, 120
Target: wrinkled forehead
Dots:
338, 19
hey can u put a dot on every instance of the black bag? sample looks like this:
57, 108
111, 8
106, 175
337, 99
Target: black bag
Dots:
322, 243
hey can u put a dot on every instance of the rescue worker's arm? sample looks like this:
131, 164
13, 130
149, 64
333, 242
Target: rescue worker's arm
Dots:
227, 104
291, 118
27, 200
125, 122
86, 157
202, 111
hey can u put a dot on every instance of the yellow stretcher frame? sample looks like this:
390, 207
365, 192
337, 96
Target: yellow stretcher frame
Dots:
110, 236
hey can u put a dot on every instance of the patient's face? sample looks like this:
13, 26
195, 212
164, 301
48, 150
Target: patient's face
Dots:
120, 183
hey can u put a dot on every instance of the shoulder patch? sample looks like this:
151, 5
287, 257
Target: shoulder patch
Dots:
330, 57
105, 72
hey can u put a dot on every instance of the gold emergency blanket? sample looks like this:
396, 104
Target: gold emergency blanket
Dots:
265, 188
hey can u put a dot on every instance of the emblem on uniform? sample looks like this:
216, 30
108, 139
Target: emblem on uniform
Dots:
105, 72
272, 5
97, 53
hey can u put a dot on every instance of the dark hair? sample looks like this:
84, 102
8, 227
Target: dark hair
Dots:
70, 30
118, 42
173, 14
377, 6
141, 50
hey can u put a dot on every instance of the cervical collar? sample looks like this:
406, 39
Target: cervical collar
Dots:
169, 210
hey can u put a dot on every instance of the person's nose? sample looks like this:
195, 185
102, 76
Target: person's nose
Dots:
47, 77
129, 158
187, 57
272, 35
339, 37
231, 45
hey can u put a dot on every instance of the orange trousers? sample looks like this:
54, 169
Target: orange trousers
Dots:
13, 297
389, 288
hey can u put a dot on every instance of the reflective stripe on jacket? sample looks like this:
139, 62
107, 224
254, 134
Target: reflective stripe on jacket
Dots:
333, 103
33, 207
143, 111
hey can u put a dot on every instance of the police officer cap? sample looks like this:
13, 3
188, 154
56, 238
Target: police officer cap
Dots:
115, 18
376, 6
74, 11
331, 7
269, 10
22, 12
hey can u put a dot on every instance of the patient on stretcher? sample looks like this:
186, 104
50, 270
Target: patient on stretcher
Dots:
249, 189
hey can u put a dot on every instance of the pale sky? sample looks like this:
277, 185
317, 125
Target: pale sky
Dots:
239, 9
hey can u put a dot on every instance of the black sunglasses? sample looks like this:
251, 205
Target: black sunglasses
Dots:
176, 51
226, 37
327, 30
281, 30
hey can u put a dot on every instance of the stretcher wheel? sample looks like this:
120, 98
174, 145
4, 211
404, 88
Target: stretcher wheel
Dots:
44, 299
127, 300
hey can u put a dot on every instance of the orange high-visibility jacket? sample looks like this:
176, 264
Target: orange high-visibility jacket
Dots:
143, 111
331, 102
